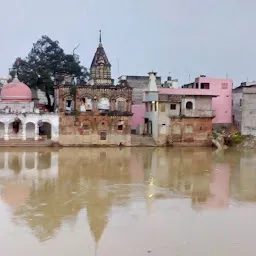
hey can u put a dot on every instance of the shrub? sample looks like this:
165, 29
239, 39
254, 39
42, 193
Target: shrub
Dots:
237, 138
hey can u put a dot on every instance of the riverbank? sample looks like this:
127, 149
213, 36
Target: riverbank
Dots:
231, 137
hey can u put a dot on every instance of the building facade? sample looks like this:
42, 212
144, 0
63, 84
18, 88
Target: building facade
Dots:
244, 109
221, 104
178, 116
20, 120
97, 113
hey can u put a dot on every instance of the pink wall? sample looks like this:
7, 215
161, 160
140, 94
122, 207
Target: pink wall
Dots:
223, 103
138, 115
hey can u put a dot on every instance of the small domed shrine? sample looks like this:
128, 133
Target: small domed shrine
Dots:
16, 91
21, 120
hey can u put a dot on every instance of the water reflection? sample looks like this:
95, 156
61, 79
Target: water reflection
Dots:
47, 190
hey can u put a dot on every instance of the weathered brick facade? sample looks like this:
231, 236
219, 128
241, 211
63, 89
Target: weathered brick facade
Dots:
194, 131
98, 113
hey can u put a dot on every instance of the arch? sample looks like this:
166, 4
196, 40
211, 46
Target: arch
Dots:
86, 103
2, 130
104, 95
103, 104
15, 127
30, 130
121, 104
121, 96
189, 105
176, 129
45, 129
189, 128
103, 125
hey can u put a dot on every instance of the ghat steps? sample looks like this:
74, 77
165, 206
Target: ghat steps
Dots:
146, 141
26, 143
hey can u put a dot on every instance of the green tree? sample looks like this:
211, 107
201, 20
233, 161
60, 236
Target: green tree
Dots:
45, 60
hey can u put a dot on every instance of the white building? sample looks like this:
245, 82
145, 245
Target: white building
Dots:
20, 120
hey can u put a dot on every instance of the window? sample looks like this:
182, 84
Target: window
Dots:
162, 107
224, 86
120, 127
121, 106
189, 105
68, 105
173, 106
86, 127
241, 102
205, 86
103, 135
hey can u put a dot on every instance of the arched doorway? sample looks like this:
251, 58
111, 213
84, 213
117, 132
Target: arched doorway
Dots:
2, 130
45, 129
30, 130
16, 126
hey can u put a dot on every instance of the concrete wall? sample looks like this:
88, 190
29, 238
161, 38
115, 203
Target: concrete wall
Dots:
139, 85
248, 126
237, 96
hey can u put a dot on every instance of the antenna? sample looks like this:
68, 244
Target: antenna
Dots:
226, 75
189, 78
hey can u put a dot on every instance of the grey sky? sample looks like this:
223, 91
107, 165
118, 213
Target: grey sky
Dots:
183, 37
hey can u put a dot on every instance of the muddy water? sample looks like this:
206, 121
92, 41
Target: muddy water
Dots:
138, 201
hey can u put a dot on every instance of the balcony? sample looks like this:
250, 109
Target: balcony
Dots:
198, 113
193, 113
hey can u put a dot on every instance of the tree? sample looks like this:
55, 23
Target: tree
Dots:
45, 60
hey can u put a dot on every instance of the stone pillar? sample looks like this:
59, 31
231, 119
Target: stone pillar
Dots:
112, 105
95, 105
23, 134
128, 106
36, 131
6, 131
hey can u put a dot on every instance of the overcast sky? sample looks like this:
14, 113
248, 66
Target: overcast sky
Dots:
211, 37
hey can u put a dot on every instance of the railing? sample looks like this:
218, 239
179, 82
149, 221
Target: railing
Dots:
193, 113
198, 113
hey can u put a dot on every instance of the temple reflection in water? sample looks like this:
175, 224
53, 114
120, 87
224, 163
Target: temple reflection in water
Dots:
46, 189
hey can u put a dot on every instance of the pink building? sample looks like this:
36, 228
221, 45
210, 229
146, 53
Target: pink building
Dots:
221, 104
138, 117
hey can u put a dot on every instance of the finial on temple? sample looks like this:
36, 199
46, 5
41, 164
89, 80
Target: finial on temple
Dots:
100, 36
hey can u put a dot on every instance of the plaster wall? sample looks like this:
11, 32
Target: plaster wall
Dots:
248, 125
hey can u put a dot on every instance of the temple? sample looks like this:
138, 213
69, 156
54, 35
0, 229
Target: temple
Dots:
21, 121
97, 113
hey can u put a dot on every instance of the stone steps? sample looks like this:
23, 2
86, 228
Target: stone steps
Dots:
25, 143
146, 141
